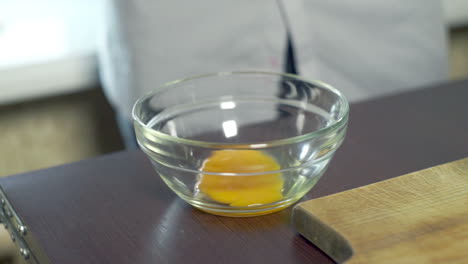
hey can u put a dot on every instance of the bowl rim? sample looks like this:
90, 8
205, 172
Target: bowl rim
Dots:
343, 118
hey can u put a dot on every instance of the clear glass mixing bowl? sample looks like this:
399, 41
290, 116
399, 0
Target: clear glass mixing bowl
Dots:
241, 143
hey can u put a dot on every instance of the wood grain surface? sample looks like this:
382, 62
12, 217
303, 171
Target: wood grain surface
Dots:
421, 217
115, 209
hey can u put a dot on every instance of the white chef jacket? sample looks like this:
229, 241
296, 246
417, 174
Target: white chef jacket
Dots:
365, 48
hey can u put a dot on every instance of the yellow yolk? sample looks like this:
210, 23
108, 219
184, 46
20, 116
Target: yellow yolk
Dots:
241, 191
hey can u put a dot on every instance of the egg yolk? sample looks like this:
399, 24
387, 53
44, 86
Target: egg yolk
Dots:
239, 191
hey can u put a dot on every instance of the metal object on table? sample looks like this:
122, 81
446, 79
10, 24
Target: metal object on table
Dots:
15, 228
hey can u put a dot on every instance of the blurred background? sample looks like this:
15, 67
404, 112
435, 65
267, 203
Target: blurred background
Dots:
52, 108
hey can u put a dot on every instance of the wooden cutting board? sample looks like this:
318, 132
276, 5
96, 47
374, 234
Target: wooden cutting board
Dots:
421, 217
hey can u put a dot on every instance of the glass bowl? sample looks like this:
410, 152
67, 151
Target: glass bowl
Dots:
241, 143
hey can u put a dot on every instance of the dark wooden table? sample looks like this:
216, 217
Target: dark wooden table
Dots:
115, 209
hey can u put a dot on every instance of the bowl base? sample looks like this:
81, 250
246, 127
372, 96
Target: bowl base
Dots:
243, 212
